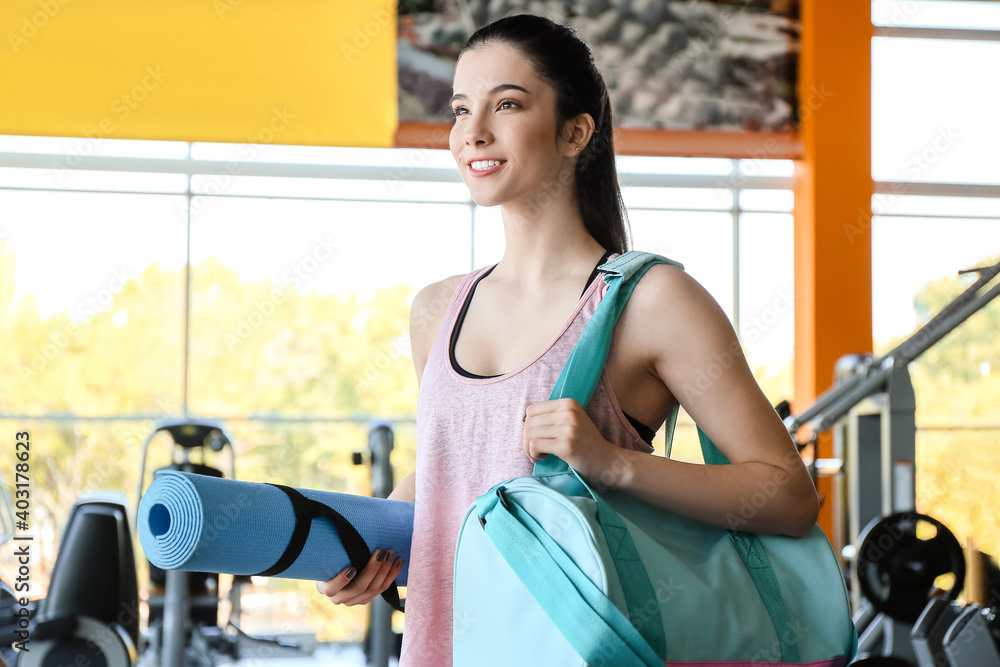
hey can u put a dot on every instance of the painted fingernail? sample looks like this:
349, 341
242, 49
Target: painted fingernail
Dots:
350, 573
398, 563
379, 555
389, 556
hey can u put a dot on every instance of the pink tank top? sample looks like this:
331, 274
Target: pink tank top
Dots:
469, 433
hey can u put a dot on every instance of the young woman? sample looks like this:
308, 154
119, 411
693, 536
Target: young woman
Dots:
533, 135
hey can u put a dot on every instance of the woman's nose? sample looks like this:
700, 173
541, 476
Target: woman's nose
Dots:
477, 131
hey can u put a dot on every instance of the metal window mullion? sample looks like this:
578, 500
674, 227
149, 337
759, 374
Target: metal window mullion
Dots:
187, 297
906, 32
937, 216
931, 189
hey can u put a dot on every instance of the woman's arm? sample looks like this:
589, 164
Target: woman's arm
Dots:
693, 349
426, 312
683, 338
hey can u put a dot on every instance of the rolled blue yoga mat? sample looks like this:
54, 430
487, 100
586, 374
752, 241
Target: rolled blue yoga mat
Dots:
199, 523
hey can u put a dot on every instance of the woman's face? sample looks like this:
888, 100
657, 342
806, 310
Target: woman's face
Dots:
505, 112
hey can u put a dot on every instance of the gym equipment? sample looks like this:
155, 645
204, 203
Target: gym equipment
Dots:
874, 446
871, 410
183, 620
898, 561
929, 630
8, 598
91, 613
969, 641
897, 568
192, 519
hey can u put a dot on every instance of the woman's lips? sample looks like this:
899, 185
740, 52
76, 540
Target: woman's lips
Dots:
485, 172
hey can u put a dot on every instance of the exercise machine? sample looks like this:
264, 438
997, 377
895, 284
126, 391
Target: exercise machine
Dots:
91, 612
871, 410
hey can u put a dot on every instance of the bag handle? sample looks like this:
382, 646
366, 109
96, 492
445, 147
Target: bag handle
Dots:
578, 380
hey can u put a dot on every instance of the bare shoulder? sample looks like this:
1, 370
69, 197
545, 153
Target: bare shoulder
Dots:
669, 308
664, 288
431, 302
426, 312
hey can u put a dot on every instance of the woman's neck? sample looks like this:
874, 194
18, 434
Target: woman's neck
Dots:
542, 260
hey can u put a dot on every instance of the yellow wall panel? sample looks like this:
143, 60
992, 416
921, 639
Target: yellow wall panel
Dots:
314, 72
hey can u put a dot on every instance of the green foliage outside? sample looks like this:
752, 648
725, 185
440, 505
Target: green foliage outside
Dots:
957, 382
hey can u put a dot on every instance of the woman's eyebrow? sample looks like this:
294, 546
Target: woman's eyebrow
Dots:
497, 89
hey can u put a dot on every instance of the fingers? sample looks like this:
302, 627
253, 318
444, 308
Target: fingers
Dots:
534, 453
333, 587
546, 407
354, 588
374, 578
393, 565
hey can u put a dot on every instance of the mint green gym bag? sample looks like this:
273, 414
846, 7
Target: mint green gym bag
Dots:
549, 572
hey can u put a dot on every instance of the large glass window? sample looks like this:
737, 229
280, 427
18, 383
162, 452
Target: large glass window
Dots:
934, 111
937, 212
92, 298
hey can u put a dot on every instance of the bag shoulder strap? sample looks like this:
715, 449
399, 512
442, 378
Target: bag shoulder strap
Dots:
582, 371
583, 368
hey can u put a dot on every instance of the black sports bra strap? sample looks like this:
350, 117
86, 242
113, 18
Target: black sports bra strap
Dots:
465, 308
593, 274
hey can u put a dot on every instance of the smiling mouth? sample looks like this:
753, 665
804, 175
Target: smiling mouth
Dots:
484, 169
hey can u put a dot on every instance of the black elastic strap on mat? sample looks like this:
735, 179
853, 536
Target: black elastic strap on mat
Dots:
307, 509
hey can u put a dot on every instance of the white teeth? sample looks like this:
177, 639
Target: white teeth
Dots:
480, 165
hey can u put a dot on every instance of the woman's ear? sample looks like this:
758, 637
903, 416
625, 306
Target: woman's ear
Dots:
578, 131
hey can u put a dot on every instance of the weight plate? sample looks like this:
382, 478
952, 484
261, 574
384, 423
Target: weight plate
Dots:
897, 569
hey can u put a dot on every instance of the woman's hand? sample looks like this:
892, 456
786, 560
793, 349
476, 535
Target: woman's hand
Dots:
563, 428
351, 587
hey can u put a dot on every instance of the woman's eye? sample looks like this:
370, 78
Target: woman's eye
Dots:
458, 110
